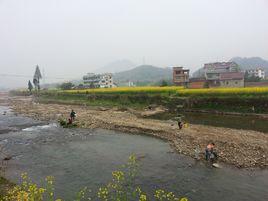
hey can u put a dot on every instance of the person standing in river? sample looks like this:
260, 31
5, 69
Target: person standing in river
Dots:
72, 115
210, 153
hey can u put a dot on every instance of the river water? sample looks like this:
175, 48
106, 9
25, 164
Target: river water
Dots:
83, 157
218, 120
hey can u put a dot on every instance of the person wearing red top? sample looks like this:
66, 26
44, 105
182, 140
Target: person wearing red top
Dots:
210, 153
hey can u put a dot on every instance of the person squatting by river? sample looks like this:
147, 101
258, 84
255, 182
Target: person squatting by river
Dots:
72, 117
210, 154
180, 124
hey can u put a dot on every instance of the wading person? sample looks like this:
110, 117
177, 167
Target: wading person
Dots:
210, 153
72, 115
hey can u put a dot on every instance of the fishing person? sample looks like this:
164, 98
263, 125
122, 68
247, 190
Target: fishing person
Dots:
210, 154
72, 115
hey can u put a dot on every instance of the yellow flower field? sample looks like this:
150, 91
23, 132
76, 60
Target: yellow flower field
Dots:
128, 90
177, 90
225, 91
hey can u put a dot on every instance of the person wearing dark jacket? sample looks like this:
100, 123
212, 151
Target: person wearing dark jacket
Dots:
72, 115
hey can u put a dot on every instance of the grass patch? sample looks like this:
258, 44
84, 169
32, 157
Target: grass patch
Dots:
78, 100
5, 185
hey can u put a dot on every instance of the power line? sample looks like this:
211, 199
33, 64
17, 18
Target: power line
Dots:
28, 76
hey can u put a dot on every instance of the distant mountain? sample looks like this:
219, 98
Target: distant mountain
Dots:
251, 62
116, 66
145, 74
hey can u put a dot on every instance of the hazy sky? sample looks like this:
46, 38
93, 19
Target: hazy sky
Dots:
69, 38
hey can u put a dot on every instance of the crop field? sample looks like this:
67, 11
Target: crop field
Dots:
125, 90
179, 91
249, 91
165, 91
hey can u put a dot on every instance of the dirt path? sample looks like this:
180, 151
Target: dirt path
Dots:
238, 147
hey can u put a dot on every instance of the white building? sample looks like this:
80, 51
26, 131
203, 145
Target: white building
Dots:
257, 72
92, 80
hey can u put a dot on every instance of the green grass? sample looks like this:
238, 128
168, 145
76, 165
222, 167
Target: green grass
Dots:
5, 185
78, 100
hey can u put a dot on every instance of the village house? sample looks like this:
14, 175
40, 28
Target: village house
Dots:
223, 74
219, 74
256, 72
92, 80
180, 76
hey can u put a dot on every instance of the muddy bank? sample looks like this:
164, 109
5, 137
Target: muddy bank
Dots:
238, 147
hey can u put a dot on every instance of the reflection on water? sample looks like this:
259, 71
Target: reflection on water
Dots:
83, 157
228, 121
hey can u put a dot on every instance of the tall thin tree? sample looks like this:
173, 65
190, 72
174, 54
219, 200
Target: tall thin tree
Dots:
36, 78
30, 86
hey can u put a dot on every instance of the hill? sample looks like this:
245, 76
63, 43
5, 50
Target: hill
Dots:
116, 66
143, 75
251, 62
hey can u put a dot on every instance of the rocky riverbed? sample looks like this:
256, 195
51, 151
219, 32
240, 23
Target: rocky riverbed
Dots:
241, 148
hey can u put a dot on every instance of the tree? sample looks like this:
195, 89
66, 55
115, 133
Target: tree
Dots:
37, 77
251, 78
30, 86
66, 85
163, 83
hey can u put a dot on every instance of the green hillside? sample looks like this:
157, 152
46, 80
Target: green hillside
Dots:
144, 75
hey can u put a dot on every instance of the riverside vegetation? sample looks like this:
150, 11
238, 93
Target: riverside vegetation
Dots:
122, 187
241, 100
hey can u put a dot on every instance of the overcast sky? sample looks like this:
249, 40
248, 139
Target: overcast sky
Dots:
68, 38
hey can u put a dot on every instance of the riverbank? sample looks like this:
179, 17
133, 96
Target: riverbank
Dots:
234, 101
241, 148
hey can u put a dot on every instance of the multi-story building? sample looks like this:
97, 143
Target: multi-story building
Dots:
223, 74
180, 76
92, 80
257, 72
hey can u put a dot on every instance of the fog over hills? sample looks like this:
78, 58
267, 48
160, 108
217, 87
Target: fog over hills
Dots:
251, 62
116, 66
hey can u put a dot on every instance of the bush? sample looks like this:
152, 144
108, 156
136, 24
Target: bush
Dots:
66, 86
64, 123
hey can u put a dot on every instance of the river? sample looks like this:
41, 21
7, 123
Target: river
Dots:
84, 157
219, 120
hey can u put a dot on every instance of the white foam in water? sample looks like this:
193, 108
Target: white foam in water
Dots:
5, 141
33, 128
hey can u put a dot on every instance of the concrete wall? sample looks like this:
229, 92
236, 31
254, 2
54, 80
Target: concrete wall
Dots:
256, 84
232, 83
